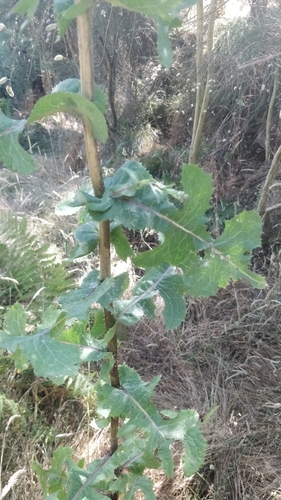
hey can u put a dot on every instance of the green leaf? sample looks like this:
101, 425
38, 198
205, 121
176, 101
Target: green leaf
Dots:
90, 482
129, 312
26, 7
100, 99
131, 199
53, 479
53, 319
228, 257
67, 206
77, 303
194, 454
11, 153
186, 232
87, 235
164, 47
206, 263
71, 103
20, 360
98, 329
60, 6
73, 85
78, 9
61, 454
50, 359
121, 244
131, 484
170, 285
68, 85
132, 403
15, 320
166, 9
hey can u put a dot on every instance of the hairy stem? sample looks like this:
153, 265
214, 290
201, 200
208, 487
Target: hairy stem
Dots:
86, 61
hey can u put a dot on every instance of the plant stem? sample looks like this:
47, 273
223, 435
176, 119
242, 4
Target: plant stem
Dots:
270, 112
270, 178
86, 61
201, 110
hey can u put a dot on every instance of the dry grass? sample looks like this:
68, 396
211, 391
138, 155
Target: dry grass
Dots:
225, 355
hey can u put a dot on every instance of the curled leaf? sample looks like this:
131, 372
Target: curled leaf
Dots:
58, 57
9, 90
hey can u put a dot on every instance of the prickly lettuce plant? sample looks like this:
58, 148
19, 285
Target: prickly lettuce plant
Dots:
189, 261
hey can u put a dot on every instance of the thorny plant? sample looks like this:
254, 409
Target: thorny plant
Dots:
189, 261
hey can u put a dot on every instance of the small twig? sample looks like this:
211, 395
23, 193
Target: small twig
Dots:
259, 60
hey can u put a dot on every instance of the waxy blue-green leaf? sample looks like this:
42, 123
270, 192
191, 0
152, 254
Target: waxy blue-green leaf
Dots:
12, 154
132, 403
89, 483
78, 303
99, 328
74, 104
130, 484
50, 359
87, 236
133, 198
194, 451
54, 477
54, 351
68, 85
131, 311
170, 285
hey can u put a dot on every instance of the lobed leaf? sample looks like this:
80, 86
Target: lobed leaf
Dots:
206, 263
132, 403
